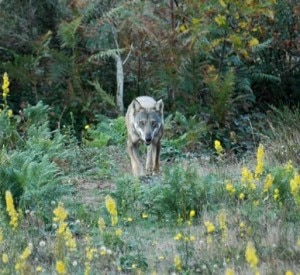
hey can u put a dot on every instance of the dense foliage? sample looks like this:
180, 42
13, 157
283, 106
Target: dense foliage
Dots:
212, 59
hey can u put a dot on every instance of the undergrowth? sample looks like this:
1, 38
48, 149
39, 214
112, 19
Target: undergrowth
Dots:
241, 219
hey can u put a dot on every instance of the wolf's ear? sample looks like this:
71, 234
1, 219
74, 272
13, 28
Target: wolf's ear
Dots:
136, 106
159, 106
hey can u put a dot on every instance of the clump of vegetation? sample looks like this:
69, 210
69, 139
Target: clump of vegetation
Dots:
220, 221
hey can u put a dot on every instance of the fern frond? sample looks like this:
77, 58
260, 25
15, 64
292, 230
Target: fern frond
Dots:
105, 97
263, 77
67, 32
262, 46
111, 53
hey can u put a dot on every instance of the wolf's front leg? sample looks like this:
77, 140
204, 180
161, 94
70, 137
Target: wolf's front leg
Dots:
149, 159
136, 165
153, 154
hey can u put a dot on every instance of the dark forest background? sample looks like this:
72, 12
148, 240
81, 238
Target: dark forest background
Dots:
213, 61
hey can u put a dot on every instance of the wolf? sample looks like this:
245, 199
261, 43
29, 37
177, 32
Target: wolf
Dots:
145, 124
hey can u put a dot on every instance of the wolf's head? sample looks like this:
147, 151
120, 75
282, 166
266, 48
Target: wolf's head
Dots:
148, 121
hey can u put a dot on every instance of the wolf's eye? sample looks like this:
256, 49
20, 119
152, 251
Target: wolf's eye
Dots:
142, 122
153, 123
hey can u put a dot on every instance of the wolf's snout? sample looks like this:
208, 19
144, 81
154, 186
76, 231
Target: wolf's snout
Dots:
148, 139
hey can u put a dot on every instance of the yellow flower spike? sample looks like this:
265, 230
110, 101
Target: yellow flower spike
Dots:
253, 42
60, 213
229, 187
210, 228
192, 238
295, 184
26, 253
119, 232
60, 267
4, 258
5, 86
9, 113
192, 213
218, 147
178, 237
177, 263
220, 20
251, 256
1, 235
289, 166
247, 177
112, 209
268, 182
276, 194
288, 272
260, 161
11, 210
229, 271
145, 216
242, 196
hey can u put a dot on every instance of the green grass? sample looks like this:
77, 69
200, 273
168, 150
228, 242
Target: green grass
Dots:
154, 224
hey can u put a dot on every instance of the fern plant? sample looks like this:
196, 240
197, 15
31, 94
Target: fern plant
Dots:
30, 171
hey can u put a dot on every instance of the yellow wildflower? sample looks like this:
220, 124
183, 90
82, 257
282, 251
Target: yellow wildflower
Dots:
192, 238
251, 256
178, 237
260, 161
229, 187
247, 177
119, 232
60, 213
295, 188
242, 196
145, 216
60, 267
86, 127
209, 227
26, 253
5, 86
177, 263
4, 258
229, 271
276, 194
90, 253
289, 166
11, 210
222, 3
268, 182
192, 213
39, 269
220, 20
62, 228
288, 272
253, 42
1, 234
218, 147
70, 240
103, 250
9, 113
112, 209
20, 265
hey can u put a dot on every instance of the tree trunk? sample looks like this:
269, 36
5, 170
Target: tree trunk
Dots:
120, 74
120, 83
